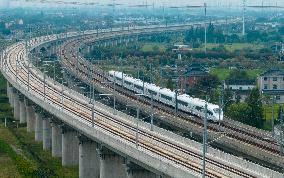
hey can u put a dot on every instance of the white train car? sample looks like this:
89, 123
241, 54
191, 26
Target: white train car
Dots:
185, 102
167, 97
152, 89
138, 86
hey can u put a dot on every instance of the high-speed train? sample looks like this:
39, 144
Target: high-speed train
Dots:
185, 103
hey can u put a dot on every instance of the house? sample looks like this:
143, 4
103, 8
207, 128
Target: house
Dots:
271, 82
240, 87
192, 75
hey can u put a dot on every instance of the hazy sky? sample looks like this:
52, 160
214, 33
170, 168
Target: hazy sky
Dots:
23, 3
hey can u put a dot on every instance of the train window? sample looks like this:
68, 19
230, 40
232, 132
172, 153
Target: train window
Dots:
127, 83
138, 87
216, 110
182, 103
152, 92
119, 79
210, 112
199, 108
166, 97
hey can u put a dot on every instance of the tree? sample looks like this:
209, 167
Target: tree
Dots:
208, 84
228, 99
256, 114
240, 112
170, 84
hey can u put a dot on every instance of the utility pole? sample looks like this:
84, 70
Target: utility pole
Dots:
176, 101
152, 110
62, 92
221, 103
16, 70
205, 28
204, 140
137, 125
272, 120
44, 85
54, 72
114, 98
93, 108
281, 132
244, 11
28, 75
91, 81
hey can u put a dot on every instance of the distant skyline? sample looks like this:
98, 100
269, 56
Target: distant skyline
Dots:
157, 3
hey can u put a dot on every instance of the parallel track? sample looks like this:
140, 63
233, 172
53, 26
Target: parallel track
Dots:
243, 135
83, 110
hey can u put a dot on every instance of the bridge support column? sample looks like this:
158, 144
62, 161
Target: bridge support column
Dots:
10, 93
23, 116
135, 171
16, 106
89, 163
70, 147
38, 126
111, 164
46, 136
30, 118
56, 140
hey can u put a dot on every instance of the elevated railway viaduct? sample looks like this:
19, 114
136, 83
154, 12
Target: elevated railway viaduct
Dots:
104, 144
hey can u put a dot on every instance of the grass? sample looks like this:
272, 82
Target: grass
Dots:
223, 74
237, 46
20, 155
44, 160
10, 169
150, 47
8, 166
267, 111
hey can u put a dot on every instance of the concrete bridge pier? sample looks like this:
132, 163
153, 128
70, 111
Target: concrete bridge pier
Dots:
111, 164
38, 126
23, 111
30, 117
46, 134
56, 145
10, 93
135, 171
89, 162
16, 106
70, 147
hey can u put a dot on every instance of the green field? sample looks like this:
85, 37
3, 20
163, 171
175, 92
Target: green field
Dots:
150, 47
267, 112
20, 155
223, 74
235, 46
8, 166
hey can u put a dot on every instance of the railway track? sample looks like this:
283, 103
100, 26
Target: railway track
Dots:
235, 130
125, 130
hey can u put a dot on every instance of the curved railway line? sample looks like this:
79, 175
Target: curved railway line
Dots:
259, 140
149, 141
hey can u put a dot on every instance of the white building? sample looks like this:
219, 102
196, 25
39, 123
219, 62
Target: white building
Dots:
240, 87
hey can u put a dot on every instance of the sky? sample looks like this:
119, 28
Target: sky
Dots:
158, 3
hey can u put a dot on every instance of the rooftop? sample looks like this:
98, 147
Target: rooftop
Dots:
273, 72
196, 70
240, 82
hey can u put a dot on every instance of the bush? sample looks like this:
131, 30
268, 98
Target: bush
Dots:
24, 167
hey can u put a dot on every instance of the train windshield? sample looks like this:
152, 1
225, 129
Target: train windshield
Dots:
216, 110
